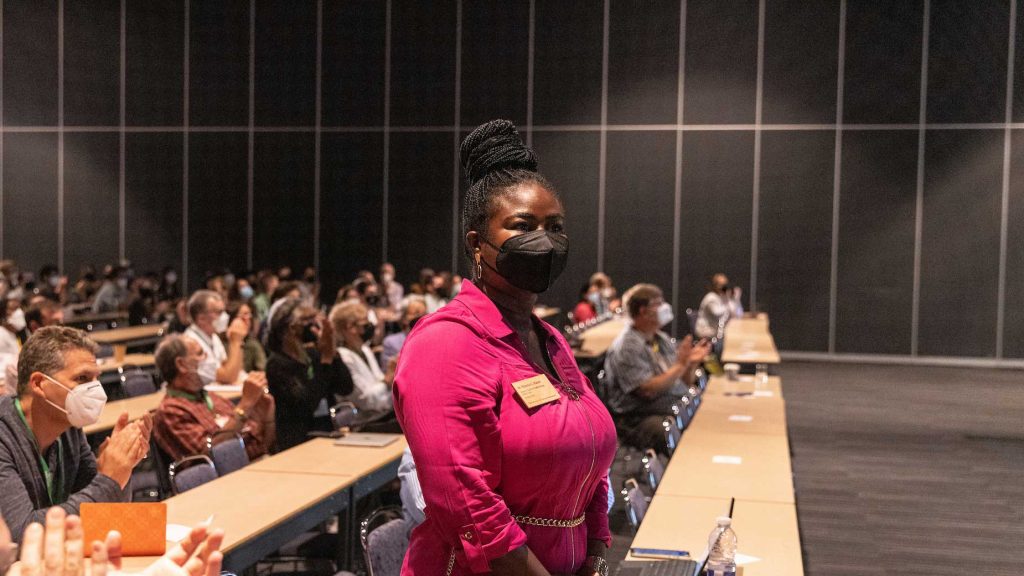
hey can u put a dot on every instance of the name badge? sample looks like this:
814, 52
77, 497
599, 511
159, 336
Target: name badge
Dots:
535, 391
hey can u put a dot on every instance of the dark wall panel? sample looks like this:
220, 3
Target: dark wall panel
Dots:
420, 202
155, 46
967, 61
92, 63
801, 61
217, 203
794, 259
351, 208
1013, 335
877, 207
285, 63
639, 217
721, 62
283, 199
30, 199
1018, 82
153, 200
643, 62
353, 95
219, 63
716, 212
882, 74
423, 63
495, 53
30, 62
91, 199
570, 161
567, 75
960, 242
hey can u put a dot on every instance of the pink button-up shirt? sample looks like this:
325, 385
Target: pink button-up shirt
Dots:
483, 457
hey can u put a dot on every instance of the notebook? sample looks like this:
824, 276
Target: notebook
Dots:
364, 439
143, 525
659, 568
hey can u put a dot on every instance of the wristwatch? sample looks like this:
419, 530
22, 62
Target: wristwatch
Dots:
240, 414
596, 564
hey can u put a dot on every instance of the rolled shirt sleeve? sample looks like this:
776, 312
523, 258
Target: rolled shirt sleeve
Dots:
596, 516
447, 393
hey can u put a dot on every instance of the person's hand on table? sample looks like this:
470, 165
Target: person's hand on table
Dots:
127, 445
58, 550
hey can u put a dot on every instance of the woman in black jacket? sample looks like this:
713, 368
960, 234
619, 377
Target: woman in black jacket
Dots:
303, 370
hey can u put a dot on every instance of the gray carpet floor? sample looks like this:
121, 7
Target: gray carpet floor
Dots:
901, 470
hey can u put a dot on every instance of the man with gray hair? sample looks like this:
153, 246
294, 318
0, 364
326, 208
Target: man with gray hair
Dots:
210, 318
188, 415
45, 459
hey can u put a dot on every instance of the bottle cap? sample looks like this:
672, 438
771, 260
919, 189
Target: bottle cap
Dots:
724, 521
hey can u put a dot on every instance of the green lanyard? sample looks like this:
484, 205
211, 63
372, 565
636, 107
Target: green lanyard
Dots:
51, 488
193, 397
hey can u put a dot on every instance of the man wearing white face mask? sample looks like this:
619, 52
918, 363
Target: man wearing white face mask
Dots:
45, 459
645, 372
210, 318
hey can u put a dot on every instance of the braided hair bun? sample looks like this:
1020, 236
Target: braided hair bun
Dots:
495, 146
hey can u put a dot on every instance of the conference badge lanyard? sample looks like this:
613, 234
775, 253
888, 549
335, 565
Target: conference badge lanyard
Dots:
193, 397
53, 490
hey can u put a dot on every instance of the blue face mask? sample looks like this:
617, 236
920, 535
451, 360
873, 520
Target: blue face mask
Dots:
245, 292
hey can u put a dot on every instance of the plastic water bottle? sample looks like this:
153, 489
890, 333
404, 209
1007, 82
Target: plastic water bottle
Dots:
722, 549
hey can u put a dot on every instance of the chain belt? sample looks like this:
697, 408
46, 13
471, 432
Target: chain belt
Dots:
549, 522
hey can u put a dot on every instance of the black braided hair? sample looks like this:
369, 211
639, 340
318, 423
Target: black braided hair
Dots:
495, 161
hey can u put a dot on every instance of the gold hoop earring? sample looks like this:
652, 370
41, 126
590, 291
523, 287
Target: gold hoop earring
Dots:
479, 269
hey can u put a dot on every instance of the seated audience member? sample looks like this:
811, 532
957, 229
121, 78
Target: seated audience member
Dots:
210, 318
12, 330
142, 302
645, 373
267, 282
253, 355
45, 459
241, 291
413, 503
178, 320
435, 294
393, 292
303, 370
188, 414
41, 313
372, 393
168, 288
52, 284
113, 294
602, 293
57, 546
720, 304
584, 310
413, 308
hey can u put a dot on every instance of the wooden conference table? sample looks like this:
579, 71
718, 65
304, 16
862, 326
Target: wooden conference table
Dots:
139, 360
268, 503
597, 340
141, 405
748, 341
130, 336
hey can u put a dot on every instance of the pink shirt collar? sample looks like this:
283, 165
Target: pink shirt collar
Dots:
486, 312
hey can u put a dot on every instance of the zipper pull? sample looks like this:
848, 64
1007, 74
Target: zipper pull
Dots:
571, 392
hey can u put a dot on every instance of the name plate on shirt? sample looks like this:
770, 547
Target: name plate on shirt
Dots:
535, 390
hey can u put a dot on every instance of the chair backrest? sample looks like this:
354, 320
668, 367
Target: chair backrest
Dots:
701, 378
343, 415
682, 412
227, 450
636, 502
190, 472
135, 382
161, 463
384, 535
672, 433
694, 393
653, 468
691, 317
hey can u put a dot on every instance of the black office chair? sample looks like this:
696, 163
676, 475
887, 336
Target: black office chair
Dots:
191, 472
654, 469
343, 417
227, 450
672, 433
136, 382
636, 502
384, 535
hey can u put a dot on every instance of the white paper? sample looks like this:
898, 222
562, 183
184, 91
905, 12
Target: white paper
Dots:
744, 378
741, 418
720, 459
743, 559
763, 393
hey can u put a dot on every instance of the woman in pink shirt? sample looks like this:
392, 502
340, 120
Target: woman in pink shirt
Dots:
511, 443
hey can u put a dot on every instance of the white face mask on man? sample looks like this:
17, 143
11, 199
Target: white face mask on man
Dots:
220, 325
17, 320
83, 404
665, 315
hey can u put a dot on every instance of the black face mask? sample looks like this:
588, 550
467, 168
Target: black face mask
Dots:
373, 300
532, 261
308, 335
367, 334
412, 323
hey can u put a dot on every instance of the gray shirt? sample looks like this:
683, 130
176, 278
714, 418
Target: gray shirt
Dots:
632, 360
23, 493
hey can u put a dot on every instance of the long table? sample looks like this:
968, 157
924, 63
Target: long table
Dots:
265, 505
597, 340
748, 341
131, 336
136, 408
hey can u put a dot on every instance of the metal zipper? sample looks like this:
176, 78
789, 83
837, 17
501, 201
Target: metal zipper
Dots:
451, 563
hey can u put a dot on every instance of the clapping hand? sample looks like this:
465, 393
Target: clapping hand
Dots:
58, 550
127, 445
